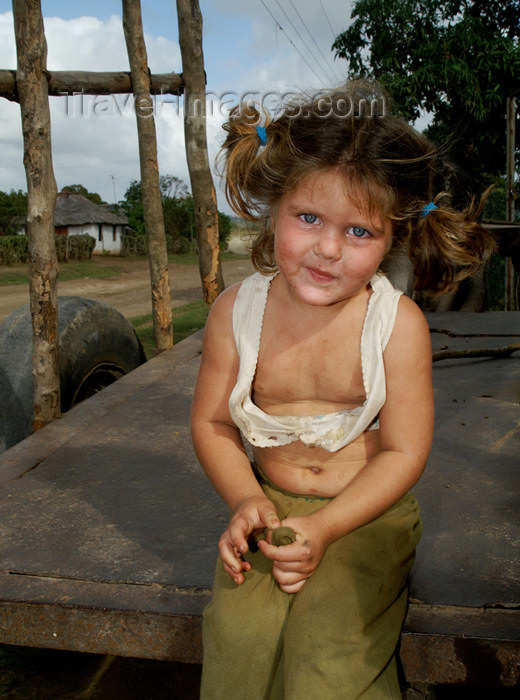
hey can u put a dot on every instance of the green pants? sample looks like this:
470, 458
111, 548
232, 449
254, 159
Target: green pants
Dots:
333, 640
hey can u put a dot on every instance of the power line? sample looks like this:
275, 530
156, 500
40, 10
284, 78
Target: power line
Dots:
313, 39
291, 41
328, 20
301, 39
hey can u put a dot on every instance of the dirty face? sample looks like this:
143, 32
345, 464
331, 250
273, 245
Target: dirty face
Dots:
327, 245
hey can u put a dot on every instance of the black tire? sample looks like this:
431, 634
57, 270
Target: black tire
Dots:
97, 347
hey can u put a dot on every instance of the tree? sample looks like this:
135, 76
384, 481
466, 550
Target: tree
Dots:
13, 212
179, 219
79, 189
456, 59
224, 228
133, 207
173, 187
178, 212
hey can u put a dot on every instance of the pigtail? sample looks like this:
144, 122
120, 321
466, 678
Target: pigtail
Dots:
255, 155
447, 246
247, 137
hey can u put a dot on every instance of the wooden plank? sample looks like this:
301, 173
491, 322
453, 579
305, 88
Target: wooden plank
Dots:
65, 83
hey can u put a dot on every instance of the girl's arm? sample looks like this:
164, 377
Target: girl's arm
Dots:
406, 429
217, 440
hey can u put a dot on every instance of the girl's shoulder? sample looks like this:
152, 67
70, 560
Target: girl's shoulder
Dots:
219, 324
411, 333
225, 302
409, 313
218, 347
220, 316
222, 308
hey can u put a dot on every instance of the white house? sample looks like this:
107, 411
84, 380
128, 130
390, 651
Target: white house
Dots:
76, 214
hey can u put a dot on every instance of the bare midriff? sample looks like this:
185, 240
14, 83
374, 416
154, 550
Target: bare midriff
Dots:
312, 470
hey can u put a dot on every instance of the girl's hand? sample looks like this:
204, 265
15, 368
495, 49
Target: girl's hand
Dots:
254, 513
293, 564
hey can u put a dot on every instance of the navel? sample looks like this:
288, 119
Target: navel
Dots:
315, 470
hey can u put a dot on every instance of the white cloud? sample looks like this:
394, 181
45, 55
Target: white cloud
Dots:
95, 138
91, 44
8, 46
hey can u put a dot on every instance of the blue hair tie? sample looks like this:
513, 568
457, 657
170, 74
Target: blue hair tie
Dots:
262, 135
427, 209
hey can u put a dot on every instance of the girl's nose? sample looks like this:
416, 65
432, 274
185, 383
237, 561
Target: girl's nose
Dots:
328, 246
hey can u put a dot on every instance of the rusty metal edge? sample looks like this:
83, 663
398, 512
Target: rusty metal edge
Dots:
133, 633
461, 646
445, 660
475, 646
426, 658
122, 619
489, 622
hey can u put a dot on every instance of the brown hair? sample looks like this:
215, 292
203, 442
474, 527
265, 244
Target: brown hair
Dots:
392, 166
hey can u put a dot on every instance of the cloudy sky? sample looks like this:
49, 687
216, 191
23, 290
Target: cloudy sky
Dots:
265, 47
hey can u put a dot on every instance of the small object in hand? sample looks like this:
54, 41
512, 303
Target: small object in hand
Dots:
280, 537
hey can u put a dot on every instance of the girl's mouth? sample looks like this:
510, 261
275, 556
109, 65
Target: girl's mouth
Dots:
320, 275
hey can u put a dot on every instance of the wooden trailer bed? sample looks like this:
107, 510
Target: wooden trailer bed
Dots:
108, 527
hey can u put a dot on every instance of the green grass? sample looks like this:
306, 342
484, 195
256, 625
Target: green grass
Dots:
189, 258
186, 320
87, 268
183, 258
13, 277
193, 258
81, 269
68, 271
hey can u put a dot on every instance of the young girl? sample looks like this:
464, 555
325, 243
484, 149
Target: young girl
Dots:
325, 369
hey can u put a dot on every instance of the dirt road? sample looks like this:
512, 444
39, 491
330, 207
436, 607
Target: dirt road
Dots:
129, 292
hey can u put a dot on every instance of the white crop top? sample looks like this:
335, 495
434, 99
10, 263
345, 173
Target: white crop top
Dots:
331, 431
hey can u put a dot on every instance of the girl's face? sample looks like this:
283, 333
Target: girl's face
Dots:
325, 247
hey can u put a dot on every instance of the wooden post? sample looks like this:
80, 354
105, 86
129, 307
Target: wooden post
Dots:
31, 83
151, 193
204, 198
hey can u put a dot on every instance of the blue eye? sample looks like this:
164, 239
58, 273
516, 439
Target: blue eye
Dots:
359, 232
309, 218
